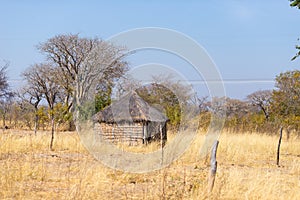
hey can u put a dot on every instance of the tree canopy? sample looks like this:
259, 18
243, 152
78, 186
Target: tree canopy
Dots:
84, 63
4, 86
295, 3
286, 99
167, 95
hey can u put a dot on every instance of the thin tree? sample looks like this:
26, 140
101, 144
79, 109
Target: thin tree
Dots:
5, 106
4, 86
5, 92
32, 95
202, 103
42, 76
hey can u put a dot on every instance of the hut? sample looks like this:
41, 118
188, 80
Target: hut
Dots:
132, 120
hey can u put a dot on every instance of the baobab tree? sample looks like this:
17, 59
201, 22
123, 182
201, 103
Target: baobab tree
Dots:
84, 64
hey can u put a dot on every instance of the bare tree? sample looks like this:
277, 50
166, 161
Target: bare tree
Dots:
236, 107
202, 103
25, 113
42, 77
217, 106
5, 93
5, 106
126, 84
4, 86
182, 90
84, 63
32, 95
220, 106
262, 99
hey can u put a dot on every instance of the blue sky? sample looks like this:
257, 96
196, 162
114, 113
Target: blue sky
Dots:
250, 41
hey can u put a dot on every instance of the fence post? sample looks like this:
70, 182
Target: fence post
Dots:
278, 147
213, 166
161, 144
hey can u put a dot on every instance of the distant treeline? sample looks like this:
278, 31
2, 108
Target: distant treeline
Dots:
54, 89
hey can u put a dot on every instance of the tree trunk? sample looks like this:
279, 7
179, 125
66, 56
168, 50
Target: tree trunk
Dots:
265, 112
4, 119
161, 144
52, 132
36, 120
71, 126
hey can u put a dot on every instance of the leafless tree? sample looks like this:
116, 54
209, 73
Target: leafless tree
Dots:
217, 106
5, 93
31, 94
236, 107
84, 63
224, 106
126, 84
182, 90
262, 99
24, 113
4, 86
41, 77
202, 103
5, 106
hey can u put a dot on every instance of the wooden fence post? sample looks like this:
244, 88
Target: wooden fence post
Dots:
161, 144
213, 166
278, 147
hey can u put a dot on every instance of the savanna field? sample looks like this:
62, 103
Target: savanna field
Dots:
123, 73
246, 170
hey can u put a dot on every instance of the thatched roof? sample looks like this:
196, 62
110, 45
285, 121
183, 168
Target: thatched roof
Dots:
130, 108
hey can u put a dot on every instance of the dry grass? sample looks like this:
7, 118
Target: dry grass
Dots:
246, 170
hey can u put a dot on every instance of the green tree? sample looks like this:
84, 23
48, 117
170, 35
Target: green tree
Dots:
103, 97
168, 96
286, 98
61, 115
164, 99
298, 53
43, 117
295, 3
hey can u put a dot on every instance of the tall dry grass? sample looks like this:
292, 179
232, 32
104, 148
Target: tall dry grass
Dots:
246, 170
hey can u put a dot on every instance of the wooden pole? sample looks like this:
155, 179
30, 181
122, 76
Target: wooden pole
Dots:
213, 166
278, 147
161, 144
